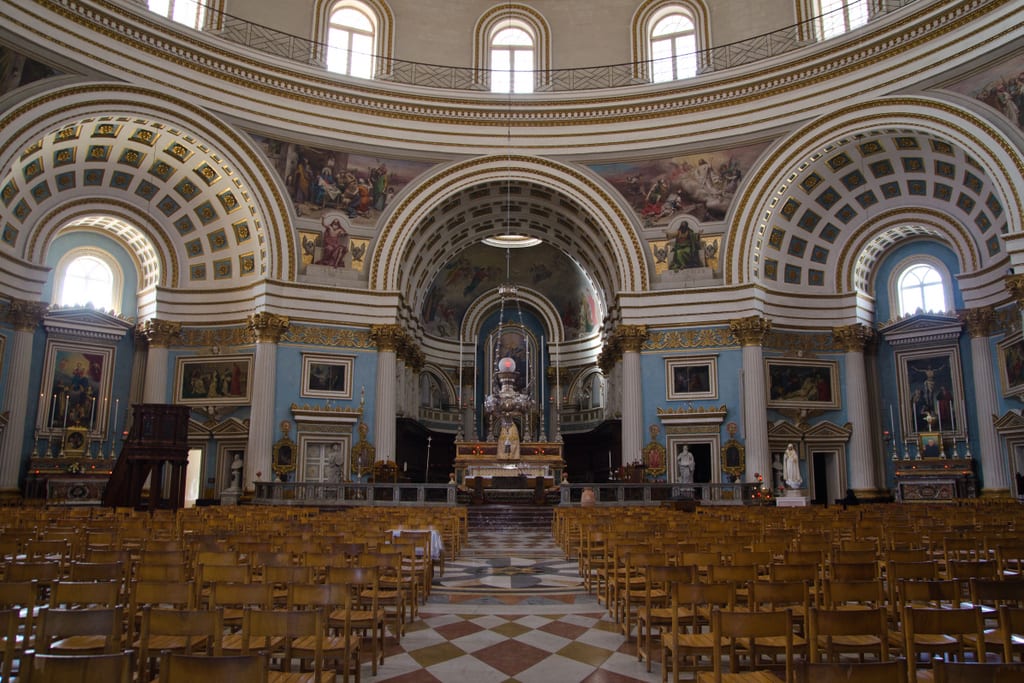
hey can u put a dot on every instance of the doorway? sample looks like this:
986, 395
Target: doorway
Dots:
827, 487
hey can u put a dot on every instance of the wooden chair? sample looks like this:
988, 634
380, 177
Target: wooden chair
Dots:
685, 642
974, 672
234, 599
632, 584
341, 646
85, 594
834, 631
740, 632
656, 611
177, 630
23, 598
940, 632
169, 594
365, 614
1011, 630
79, 631
207, 575
12, 642
853, 595
894, 671
116, 667
388, 593
273, 632
180, 668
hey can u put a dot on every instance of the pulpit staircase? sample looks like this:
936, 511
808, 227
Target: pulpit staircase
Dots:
156, 449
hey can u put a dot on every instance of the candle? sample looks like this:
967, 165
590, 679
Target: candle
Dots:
53, 411
892, 422
938, 414
609, 461
460, 373
92, 414
113, 421
952, 417
66, 411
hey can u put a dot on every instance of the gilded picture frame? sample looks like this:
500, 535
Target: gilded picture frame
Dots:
213, 380
802, 383
689, 379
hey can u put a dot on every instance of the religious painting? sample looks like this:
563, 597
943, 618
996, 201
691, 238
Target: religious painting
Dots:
678, 253
319, 179
284, 458
734, 461
1011, 365
16, 70
691, 378
701, 185
214, 380
76, 387
1000, 86
930, 390
326, 376
802, 383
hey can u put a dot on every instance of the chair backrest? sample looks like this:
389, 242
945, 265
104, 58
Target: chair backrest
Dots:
1011, 628
894, 671
828, 623
848, 593
10, 623
775, 595
85, 593
54, 624
974, 672
727, 627
261, 629
954, 622
853, 571
115, 667
179, 668
228, 594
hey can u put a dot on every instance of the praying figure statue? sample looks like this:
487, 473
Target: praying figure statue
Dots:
791, 468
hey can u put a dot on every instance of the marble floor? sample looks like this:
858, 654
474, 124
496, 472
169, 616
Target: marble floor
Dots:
511, 610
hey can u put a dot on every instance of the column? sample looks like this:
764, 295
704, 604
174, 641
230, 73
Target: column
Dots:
268, 329
995, 474
862, 463
25, 316
159, 335
387, 338
751, 333
631, 338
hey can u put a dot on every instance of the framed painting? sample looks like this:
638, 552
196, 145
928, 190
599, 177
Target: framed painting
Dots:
326, 376
75, 391
1011, 365
930, 390
214, 380
929, 444
691, 378
734, 461
802, 383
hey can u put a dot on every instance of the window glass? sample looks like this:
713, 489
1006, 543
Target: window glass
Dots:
921, 289
512, 61
350, 37
88, 280
187, 12
673, 48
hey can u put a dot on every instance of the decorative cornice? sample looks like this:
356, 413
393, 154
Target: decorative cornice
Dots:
854, 337
923, 328
159, 332
25, 316
268, 328
978, 321
750, 331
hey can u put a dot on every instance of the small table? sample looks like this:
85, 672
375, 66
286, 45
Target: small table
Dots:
436, 544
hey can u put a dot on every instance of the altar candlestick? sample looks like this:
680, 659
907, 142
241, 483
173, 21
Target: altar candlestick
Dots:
952, 417
460, 372
66, 401
609, 461
113, 421
53, 411
892, 423
938, 414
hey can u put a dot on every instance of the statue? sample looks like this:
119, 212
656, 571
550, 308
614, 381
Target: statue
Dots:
685, 463
508, 440
236, 472
791, 468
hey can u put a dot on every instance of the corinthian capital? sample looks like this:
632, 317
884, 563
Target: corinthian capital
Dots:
387, 337
750, 331
853, 337
268, 327
631, 337
25, 316
159, 332
1015, 285
979, 321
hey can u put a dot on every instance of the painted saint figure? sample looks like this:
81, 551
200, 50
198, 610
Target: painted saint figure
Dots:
334, 244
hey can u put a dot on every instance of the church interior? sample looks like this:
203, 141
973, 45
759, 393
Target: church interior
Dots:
694, 265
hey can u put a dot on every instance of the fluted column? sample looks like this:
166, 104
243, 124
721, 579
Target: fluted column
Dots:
995, 473
388, 338
159, 335
631, 339
751, 333
268, 329
25, 316
862, 462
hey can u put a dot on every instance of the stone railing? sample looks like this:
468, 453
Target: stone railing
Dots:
323, 494
660, 493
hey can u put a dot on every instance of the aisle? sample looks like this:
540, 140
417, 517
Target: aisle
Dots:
512, 610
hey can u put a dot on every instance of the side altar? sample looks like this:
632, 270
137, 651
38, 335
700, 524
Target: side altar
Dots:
488, 460
934, 480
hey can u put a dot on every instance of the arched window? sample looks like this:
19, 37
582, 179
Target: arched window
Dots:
191, 13
89, 277
512, 60
921, 287
673, 48
836, 17
351, 36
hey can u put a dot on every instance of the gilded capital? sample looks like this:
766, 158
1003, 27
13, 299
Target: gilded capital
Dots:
853, 337
268, 327
25, 316
979, 321
750, 331
631, 337
158, 332
1015, 285
387, 337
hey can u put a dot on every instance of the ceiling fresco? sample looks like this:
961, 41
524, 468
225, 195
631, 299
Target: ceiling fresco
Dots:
479, 269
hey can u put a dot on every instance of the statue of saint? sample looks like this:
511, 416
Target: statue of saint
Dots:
508, 441
685, 464
791, 468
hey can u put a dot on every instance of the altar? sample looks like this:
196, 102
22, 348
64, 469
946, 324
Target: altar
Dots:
482, 459
932, 480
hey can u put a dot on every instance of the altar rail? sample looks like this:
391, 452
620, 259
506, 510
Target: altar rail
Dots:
351, 494
659, 493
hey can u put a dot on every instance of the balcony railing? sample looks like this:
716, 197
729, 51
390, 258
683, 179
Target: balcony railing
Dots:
322, 494
272, 41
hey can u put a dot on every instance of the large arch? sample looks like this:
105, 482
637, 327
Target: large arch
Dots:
162, 164
554, 202
963, 165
